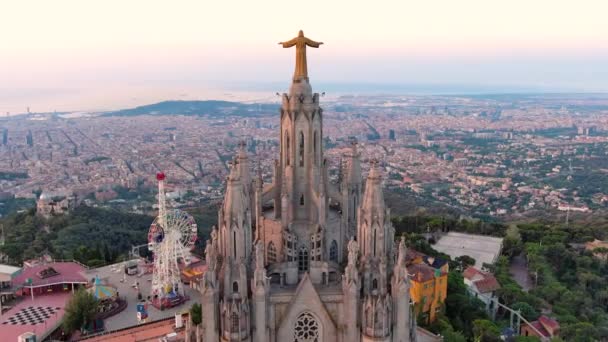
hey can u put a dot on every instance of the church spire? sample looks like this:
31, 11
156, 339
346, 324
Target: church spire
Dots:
375, 229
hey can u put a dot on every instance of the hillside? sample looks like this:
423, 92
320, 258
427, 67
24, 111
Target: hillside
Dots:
198, 108
90, 235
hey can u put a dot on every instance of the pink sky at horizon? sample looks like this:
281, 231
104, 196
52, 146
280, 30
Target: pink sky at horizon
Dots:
72, 44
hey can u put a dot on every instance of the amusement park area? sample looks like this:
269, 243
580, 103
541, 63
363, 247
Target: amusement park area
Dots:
35, 299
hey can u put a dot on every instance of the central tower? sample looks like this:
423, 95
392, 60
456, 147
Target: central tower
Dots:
301, 160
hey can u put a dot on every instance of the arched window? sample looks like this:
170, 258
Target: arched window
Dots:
235, 323
303, 260
272, 253
306, 329
234, 245
315, 149
375, 284
368, 316
235, 287
301, 149
333, 251
374, 241
287, 153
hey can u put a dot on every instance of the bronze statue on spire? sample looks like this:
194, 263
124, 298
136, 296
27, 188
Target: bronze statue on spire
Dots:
300, 43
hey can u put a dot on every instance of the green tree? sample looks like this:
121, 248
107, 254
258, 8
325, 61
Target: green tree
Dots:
580, 332
512, 244
80, 310
196, 314
465, 261
527, 339
526, 310
485, 330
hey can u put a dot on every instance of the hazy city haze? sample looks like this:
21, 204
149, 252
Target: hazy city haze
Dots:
71, 55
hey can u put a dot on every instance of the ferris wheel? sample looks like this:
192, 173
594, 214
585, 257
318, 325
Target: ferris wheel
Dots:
179, 222
171, 237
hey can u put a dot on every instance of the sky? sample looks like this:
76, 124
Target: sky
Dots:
109, 54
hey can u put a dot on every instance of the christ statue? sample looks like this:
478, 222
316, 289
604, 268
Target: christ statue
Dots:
300, 43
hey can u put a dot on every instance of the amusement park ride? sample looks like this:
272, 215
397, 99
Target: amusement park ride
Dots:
171, 237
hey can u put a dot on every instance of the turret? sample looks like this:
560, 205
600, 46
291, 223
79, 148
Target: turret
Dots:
350, 287
260, 287
404, 324
375, 235
375, 231
351, 189
235, 220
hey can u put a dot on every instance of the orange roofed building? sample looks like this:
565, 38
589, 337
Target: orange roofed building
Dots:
547, 327
429, 283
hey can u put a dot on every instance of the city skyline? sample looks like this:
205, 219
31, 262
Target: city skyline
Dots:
110, 55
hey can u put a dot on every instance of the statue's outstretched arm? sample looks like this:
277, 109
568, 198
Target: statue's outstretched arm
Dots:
289, 43
312, 43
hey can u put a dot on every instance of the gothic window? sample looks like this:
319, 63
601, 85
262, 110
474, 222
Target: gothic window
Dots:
315, 148
375, 284
286, 148
333, 251
301, 198
235, 323
374, 241
301, 149
272, 253
306, 329
368, 315
303, 260
234, 245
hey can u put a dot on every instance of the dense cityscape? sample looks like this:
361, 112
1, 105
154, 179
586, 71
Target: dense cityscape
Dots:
471, 182
487, 155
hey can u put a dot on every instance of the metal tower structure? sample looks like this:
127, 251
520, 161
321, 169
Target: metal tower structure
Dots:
170, 238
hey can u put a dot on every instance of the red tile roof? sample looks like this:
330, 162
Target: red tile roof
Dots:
540, 328
422, 272
486, 284
471, 272
68, 272
549, 323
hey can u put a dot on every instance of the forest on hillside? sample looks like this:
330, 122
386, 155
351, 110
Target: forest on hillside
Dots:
93, 236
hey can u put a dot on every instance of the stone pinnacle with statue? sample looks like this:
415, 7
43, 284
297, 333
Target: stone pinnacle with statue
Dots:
300, 42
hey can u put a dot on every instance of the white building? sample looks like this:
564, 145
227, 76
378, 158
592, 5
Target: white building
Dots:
483, 285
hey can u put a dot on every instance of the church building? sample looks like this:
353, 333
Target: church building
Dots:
303, 259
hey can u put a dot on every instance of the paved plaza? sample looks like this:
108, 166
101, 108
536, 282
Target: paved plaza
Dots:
484, 249
115, 276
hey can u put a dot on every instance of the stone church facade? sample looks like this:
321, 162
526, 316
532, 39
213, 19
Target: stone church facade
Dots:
302, 259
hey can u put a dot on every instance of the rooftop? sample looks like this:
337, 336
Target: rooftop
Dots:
22, 317
51, 273
8, 269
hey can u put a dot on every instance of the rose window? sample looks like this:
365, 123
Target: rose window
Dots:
306, 329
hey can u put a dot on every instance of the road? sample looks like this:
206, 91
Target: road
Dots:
519, 271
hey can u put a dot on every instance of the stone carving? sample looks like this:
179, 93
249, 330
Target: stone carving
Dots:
353, 252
